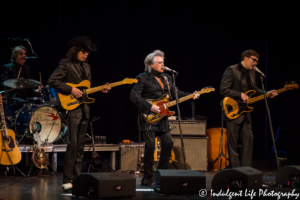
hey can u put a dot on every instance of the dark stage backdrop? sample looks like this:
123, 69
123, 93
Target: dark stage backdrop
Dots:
199, 42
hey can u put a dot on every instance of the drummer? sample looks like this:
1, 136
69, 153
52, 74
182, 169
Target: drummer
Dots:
17, 69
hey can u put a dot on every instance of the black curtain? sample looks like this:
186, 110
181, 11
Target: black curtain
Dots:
199, 42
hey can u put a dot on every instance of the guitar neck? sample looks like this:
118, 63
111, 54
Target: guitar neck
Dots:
182, 99
38, 139
100, 88
260, 97
3, 122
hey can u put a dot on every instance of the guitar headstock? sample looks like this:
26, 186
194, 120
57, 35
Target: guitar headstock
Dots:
130, 81
292, 86
206, 90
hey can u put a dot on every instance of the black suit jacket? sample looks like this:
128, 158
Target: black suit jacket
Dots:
11, 70
69, 72
234, 82
148, 87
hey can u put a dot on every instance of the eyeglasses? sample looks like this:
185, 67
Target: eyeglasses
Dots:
255, 60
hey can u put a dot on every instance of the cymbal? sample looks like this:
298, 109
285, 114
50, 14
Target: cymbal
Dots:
22, 83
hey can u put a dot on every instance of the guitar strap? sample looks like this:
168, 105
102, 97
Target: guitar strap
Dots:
168, 86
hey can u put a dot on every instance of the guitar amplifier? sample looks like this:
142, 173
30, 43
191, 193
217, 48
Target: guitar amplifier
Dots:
132, 157
189, 127
196, 153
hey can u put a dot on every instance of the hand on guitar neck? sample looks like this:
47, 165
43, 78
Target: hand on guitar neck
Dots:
273, 93
245, 97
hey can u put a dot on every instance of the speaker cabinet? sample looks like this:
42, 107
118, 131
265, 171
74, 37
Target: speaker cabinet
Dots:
104, 185
288, 175
239, 178
178, 181
196, 153
131, 156
189, 127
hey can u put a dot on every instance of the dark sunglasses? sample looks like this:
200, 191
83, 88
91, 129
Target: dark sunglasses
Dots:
85, 51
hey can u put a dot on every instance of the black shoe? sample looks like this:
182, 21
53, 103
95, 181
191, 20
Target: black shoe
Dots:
146, 182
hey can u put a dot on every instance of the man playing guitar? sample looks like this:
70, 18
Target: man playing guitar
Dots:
152, 84
236, 80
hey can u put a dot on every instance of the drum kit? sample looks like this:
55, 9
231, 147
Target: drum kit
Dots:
44, 111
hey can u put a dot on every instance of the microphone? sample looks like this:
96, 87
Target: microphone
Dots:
32, 57
170, 70
256, 69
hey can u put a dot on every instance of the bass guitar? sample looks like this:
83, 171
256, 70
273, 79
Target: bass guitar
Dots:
70, 102
234, 108
39, 157
10, 153
164, 104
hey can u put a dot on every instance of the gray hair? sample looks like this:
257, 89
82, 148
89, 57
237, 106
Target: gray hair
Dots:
150, 59
15, 51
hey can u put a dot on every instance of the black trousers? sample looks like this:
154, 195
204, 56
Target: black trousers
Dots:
75, 148
240, 131
166, 147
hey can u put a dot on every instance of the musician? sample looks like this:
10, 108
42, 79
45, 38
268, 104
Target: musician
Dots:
238, 79
152, 84
17, 67
74, 69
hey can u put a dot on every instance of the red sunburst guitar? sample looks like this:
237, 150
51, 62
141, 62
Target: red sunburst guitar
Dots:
10, 153
164, 104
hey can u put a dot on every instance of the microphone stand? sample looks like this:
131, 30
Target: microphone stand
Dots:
95, 154
179, 119
270, 122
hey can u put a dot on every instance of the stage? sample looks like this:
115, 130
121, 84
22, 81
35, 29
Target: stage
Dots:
49, 186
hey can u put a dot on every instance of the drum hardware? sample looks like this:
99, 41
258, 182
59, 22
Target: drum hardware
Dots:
22, 137
62, 134
21, 83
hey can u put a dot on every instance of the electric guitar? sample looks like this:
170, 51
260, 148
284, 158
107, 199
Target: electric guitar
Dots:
70, 102
234, 108
164, 105
10, 153
39, 157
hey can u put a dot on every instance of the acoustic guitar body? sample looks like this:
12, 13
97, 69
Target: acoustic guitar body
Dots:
11, 147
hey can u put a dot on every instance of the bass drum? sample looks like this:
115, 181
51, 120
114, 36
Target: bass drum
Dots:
47, 120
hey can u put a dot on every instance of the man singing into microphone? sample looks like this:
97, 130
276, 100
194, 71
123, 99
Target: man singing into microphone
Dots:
238, 79
152, 84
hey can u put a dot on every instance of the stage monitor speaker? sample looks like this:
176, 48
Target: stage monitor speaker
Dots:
104, 185
239, 178
196, 153
288, 175
178, 181
129, 160
189, 127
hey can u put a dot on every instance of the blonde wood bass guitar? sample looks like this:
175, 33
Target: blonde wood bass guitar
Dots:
234, 108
